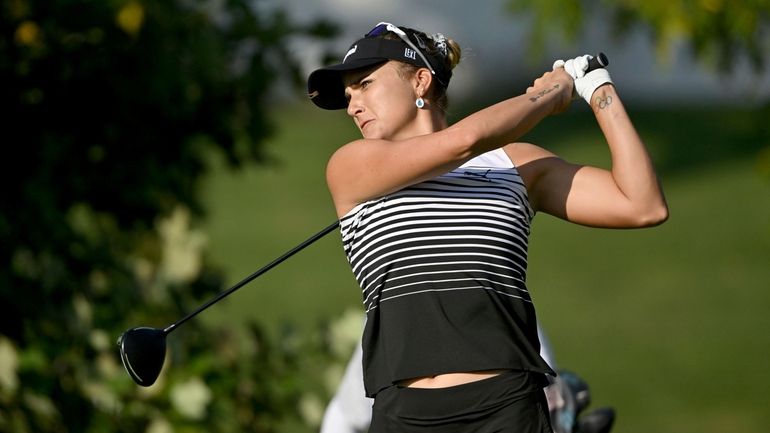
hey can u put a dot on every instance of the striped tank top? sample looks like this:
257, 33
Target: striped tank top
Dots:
442, 268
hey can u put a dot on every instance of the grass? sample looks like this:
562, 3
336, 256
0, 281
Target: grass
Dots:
669, 325
257, 214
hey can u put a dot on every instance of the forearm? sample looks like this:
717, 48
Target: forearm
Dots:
632, 168
507, 121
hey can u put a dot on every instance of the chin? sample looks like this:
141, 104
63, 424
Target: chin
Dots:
373, 132
372, 135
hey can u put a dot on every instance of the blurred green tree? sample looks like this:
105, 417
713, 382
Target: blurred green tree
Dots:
110, 110
719, 32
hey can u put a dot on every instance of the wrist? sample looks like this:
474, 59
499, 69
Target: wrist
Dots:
603, 97
553, 98
588, 84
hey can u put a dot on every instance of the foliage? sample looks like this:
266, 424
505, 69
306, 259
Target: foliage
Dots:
110, 110
719, 32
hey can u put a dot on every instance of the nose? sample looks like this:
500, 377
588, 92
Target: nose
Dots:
354, 105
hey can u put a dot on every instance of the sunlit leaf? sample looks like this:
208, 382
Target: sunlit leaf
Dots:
131, 17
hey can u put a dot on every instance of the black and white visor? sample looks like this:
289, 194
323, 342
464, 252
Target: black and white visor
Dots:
325, 85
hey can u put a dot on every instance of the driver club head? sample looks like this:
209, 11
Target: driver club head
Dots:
143, 351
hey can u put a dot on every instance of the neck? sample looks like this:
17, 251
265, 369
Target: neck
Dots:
425, 122
438, 120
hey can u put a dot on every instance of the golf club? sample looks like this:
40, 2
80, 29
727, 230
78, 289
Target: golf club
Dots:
598, 61
143, 349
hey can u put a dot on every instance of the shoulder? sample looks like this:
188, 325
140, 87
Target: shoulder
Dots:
524, 153
531, 161
348, 167
355, 146
354, 152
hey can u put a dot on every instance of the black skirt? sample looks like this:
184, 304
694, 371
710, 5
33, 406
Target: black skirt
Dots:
510, 402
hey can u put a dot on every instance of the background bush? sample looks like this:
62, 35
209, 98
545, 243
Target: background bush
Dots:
110, 112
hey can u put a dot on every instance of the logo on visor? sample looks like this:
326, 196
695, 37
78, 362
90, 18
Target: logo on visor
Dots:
410, 53
350, 51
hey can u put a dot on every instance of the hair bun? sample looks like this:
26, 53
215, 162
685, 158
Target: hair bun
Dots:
448, 48
453, 53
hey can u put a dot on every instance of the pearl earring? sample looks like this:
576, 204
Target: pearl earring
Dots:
419, 102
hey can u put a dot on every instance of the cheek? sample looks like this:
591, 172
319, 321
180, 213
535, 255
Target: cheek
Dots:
393, 103
400, 97
390, 103
397, 112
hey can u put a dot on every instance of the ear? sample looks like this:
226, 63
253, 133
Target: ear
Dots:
422, 81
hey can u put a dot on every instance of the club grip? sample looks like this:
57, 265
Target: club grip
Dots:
598, 61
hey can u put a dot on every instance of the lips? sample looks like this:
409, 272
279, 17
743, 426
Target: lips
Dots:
363, 124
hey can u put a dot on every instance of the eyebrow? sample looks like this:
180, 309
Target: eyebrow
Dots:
354, 79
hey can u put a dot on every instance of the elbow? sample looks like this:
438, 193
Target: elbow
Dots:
653, 216
464, 142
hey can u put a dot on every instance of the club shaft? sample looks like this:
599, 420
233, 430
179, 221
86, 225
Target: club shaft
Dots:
256, 274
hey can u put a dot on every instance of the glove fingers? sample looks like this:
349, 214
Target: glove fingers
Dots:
569, 66
585, 83
581, 64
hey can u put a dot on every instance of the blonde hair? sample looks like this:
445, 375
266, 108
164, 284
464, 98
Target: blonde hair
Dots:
437, 47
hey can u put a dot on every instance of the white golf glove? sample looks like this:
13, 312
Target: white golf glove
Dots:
585, 84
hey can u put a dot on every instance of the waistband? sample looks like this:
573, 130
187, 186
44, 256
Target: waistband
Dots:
482, 396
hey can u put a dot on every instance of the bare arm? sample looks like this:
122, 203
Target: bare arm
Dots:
365, 169
629, 195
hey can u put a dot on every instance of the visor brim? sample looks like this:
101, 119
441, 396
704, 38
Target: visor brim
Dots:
326, 87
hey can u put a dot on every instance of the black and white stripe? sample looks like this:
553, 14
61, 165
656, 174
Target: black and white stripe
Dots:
465, 230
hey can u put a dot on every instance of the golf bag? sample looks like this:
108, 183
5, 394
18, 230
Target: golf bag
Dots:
567, 397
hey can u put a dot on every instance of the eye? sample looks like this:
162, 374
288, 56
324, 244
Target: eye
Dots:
365, 83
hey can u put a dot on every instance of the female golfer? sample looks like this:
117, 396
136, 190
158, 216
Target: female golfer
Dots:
435, 221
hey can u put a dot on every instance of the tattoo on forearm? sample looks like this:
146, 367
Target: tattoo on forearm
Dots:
603, 103
544, 92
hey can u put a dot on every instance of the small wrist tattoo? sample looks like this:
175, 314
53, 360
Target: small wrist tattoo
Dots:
543, 92
603, 103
